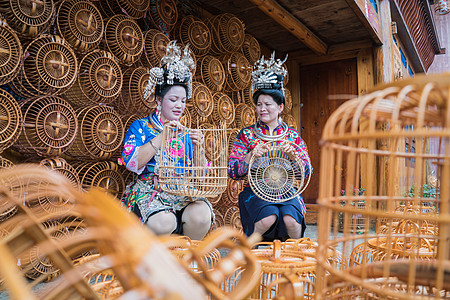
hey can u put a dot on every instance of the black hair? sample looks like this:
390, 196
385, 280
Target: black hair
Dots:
276, 94
162, 89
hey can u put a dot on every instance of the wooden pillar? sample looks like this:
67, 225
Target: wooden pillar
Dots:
294, 87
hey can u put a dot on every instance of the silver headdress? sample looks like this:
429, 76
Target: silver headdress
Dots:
175, 67
268, 74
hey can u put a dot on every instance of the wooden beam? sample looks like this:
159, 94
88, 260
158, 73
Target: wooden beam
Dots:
291, 23
362, 17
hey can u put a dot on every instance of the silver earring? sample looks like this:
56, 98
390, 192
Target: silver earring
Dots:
158, 107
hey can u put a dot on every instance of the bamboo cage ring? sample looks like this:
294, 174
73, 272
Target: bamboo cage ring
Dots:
290, 120
10, 53
238, 71
233, 218
251, 48
155, 44
223, 109
212, 73
202, 100
227, 33
233, 190
104, 175
135, 9
163, 14
193, 32
245, 116
10, 120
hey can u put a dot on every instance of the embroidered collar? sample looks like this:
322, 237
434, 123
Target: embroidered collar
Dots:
156, 121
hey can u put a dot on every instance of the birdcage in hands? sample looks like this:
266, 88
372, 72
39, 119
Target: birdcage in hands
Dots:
193, 162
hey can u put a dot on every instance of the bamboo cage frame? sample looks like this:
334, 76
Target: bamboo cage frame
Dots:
13, 57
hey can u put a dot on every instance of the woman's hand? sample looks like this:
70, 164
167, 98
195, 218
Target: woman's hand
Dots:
258, 151
290, 151
197, 137
176, 124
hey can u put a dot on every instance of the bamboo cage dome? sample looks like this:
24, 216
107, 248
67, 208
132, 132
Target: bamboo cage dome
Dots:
385, 193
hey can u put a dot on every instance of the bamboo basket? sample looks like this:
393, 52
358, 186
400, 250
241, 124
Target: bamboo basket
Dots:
245, 116
223, 109
212, 73
227, 33
135, 9
163, 14
155, 44
10, 53
193, 32
10, 120
190, 175
251, 49
80, 24
238, 71
29, 20
62, 166
386, 144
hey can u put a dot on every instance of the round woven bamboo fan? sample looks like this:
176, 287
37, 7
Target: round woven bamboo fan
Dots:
245, 116
135, 9
132, 100
233, 189
49, 68
202, 99
290, 121
287, 101
63, 167
10, 120
238, 71
186, 118
49, 126
163, 14
124, 39
233, 218
232, 135
227, 33
80, 24
10, 53
155, 44
212, 73
99, 80
28, 18
104, 175
223, 109
194, 32
99, 135
251, 48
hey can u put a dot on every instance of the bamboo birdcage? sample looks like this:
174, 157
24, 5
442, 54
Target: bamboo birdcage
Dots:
99, 80
238, 71
186, 119
155, 44
233, 218
80, 24
50, 126
184, 169
251, 49
290, 121
287, 101
219, 220
202, 100
245, 116
10, 53
28, 19
193, 32
163, 14
233, 190
62, 166
100, 133
10, 120
123, 38
223, 109
386, 143
135, 9
49, 68
212, 73
227, 33
104, 175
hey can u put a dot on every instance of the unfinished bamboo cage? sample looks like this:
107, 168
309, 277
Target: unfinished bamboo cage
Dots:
99, 80
123, 38
62, 166
10, 53
233, 189
135, 9
100, 133
193, 32
245, 116
219, 220
290, 121
251, 48
28, 19
238, 71
202, 100
380, 149
80, 24
186, 170
163, 14
227, 33
49, 126
223, 109
233, 218
287, 101
10, 120
155, 44
186, 119
212, 73
49, 68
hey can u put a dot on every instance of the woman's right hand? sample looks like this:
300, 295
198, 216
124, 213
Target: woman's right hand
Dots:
176, 124
258, 151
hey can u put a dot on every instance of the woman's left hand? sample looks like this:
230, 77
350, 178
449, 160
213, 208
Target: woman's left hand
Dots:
197, 137
290, 151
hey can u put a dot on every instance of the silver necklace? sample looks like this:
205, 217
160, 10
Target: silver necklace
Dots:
271, 138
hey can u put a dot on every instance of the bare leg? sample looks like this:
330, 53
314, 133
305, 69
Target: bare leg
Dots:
293, 228
163, 222
264, 224
196, 220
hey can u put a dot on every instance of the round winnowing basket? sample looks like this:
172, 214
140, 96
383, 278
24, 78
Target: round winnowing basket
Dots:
49, 68
104, 175
212, 73
238, 71
232, 217
251, 49
10, 53
131, 99
28, 19
223, 109
233, 189
49, 126
290, 121
245, 116
99, 135
99, 80
10, 120
287, 101
377, 153
276, 177
135, 9
124, 39
80, 24
227, 33
62, 166
192, 170
202, 100
163, 14
194, 32
155, 44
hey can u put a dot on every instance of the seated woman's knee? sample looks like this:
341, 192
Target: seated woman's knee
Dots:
290, 222
162, 223
267, 222
197, 213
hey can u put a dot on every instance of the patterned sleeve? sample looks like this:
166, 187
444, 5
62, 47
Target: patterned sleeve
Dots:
237, 167
134, 138
304, 156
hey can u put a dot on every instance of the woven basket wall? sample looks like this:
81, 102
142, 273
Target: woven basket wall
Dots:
135, 9
227, 33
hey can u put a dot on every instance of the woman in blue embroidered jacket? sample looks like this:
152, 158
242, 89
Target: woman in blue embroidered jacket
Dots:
272, 220
164, 213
